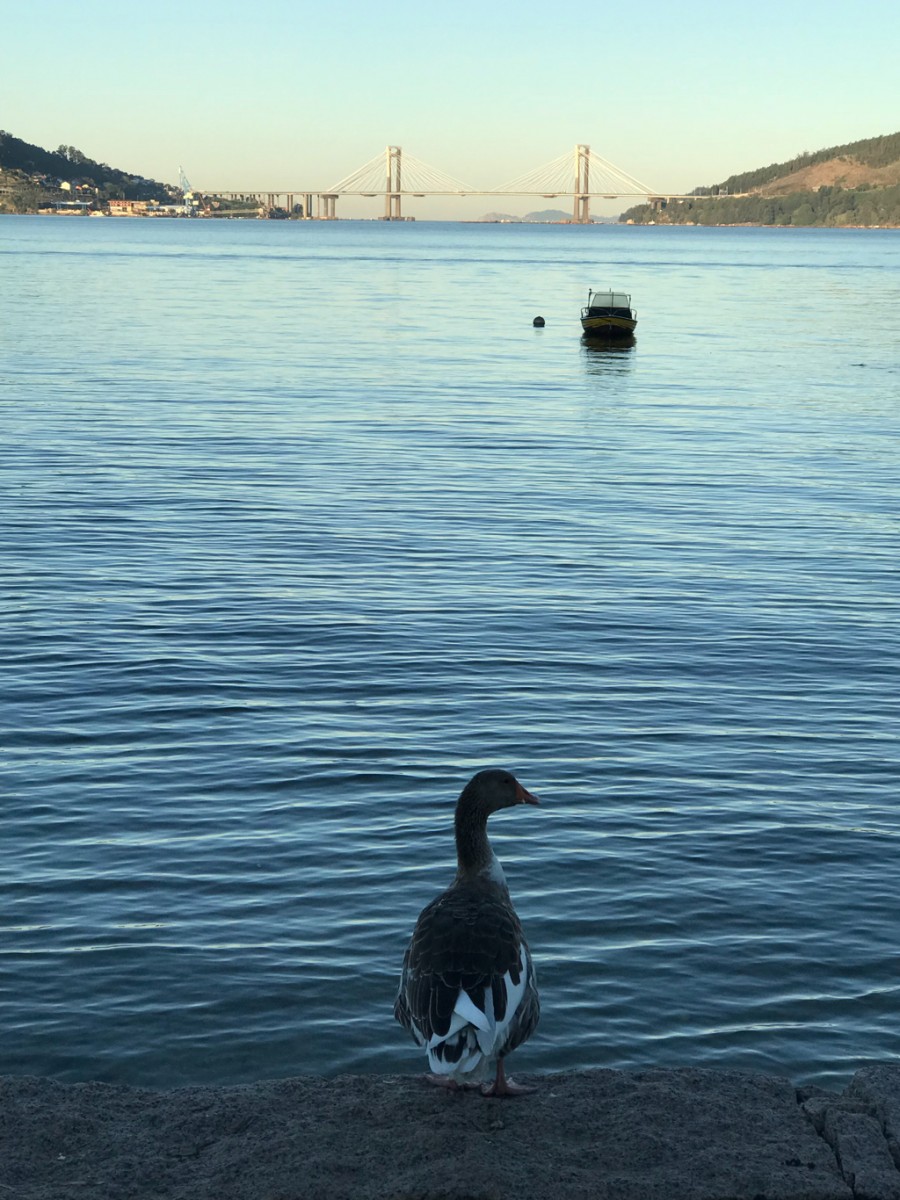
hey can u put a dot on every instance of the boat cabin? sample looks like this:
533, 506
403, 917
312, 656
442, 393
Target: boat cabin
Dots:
608, 304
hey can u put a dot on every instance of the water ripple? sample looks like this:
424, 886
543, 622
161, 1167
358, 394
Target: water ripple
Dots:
274, 587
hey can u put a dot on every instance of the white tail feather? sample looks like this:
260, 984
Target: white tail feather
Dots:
478, 1033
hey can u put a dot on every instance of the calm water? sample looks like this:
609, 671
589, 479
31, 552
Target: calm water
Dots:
304, 523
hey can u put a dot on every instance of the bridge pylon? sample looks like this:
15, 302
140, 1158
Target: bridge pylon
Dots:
581, 212
392, 158
327, 202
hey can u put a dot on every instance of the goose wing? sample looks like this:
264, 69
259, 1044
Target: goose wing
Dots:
468, 940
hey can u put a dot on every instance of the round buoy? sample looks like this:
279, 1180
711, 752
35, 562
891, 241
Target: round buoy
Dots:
538, 322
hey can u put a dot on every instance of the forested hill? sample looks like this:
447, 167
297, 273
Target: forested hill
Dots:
856, 184
29, 169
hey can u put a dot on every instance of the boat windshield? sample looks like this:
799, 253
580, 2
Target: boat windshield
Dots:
609, 299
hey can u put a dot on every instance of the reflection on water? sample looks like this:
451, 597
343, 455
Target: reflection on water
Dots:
608, 345
602, 356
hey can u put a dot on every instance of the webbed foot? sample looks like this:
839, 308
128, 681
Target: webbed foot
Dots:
443, 1081
505, 1087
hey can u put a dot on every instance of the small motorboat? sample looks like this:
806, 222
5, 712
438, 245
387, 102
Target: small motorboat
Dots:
608, 315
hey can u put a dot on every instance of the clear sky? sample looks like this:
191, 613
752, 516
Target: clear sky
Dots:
276, 94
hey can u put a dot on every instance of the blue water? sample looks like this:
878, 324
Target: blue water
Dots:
302, 523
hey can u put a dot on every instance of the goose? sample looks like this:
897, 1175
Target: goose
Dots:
467, 989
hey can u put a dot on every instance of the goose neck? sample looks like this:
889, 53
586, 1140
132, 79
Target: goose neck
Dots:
473, 848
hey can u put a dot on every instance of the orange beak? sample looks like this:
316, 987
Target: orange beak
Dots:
525, 797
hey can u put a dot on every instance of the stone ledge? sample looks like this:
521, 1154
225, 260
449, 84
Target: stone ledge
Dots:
685, 1134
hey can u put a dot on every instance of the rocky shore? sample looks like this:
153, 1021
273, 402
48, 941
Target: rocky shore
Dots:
684, 1134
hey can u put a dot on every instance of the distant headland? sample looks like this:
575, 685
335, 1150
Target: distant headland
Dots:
854, 185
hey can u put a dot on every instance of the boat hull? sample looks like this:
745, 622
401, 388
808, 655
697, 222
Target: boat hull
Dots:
609, 327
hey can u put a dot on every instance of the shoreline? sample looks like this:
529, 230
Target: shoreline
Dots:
461, 221
667, 1134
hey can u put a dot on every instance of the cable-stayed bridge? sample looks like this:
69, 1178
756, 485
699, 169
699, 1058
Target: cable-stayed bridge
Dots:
579, 176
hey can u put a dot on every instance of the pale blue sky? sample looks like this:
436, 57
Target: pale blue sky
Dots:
277, 94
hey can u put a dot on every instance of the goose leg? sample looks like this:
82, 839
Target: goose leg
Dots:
505, 1087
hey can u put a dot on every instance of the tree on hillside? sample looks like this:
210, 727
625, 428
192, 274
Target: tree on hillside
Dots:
828, 206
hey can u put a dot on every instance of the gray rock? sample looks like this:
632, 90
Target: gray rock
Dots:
878, 1087
818, 1108
595, 1135
862, 1154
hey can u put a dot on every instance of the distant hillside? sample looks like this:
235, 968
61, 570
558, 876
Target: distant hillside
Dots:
853, 185
545, 216
548, 214
29, 174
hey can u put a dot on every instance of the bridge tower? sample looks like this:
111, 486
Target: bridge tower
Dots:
581, 214
392, 157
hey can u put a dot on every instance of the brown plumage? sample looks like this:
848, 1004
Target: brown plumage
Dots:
467, 990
